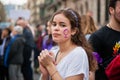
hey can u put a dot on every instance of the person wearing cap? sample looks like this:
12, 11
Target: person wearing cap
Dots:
14, 54
106, 41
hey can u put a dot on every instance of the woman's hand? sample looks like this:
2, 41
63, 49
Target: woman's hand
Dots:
46, 58
47, 62
43, 70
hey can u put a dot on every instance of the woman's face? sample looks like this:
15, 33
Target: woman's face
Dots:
49, 28
61, 29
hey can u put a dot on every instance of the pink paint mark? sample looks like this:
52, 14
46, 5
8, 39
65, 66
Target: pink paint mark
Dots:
65, 33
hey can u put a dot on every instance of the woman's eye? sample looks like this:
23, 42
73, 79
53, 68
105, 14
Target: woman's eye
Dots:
54, 24
63, 25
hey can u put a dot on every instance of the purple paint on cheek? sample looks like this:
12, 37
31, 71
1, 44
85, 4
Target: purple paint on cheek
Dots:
65, 32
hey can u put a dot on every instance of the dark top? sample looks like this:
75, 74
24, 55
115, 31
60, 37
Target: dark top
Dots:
103, 42
29, 40
16, 51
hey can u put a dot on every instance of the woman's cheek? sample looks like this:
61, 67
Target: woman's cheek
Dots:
66, 33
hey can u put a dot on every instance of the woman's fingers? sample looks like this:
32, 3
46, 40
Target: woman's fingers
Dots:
52, 54
46, 57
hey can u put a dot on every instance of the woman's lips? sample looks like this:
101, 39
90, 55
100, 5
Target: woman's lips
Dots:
55, 34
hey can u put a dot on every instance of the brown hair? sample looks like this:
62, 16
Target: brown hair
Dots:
112, 3
78, 38
8, 30
87, 24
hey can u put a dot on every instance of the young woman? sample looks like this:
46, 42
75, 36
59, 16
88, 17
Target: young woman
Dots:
47, 40
73, 59
88, 25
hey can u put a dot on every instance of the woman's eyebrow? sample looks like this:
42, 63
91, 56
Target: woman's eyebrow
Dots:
59, 22
62, 22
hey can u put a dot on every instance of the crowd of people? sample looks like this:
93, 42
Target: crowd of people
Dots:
17, 44
16, 50
70, 47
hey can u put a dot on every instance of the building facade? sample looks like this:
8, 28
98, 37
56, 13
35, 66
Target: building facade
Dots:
96, 8
2, 13
34, 7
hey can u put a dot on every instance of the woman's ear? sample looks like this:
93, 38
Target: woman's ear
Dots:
74, 31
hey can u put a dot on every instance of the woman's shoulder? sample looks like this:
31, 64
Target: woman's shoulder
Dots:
78, 52
79, 49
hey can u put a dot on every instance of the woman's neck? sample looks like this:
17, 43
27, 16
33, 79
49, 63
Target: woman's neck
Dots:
66, 47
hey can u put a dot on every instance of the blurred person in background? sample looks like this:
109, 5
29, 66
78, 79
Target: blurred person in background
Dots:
29, 46
14, 54
31, 28
38, 42
89, 27
39, 37
47, 40
0, 36
5, 38
106, 42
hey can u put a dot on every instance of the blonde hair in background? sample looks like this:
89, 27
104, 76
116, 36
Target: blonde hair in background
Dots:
87, 24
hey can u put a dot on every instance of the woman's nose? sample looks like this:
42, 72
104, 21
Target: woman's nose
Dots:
57, 27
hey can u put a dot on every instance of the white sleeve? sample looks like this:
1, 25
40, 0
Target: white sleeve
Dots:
78, 65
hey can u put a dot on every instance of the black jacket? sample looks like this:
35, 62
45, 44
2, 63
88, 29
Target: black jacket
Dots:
16, 51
